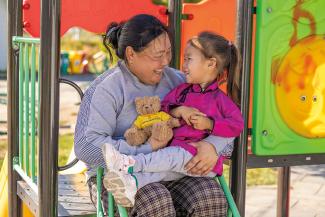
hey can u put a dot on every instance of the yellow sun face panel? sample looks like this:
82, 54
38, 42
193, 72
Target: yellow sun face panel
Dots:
289, 78
300, 87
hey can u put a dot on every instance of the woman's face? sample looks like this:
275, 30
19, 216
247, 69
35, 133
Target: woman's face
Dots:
148, 65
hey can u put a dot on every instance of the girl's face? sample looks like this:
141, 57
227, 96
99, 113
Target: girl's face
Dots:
148, 65
196, 66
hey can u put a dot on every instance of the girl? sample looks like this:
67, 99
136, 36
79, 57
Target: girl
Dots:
203, 109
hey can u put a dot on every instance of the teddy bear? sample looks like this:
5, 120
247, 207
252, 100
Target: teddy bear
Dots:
150, 122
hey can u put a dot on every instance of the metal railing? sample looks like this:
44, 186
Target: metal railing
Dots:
25, 163
28, 94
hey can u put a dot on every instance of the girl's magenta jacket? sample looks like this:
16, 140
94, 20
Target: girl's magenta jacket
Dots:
227, 118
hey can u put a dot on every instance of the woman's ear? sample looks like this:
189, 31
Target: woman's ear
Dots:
129, 54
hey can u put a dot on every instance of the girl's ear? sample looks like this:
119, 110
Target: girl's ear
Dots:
212, 62
129, 54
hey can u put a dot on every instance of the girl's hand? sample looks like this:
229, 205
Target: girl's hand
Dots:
205, 159
185, 113
200, 122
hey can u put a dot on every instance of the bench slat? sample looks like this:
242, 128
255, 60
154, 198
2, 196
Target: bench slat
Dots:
73, 196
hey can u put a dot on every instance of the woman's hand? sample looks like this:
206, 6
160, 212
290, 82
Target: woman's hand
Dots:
205, 159
185, 113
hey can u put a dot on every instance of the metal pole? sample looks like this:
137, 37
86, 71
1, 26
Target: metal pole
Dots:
244, 39
14, 9
174, 25
283, 200
49, 100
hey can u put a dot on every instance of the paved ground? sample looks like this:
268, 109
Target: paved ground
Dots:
307, 182
307, 195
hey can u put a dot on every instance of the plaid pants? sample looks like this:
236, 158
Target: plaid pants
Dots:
191, 197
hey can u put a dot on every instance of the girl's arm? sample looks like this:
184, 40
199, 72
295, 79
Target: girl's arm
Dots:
232, 122
169, 101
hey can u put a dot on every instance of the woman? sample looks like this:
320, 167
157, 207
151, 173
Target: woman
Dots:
108, 109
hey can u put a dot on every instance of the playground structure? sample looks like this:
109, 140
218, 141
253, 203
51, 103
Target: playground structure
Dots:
79, 62
279, 139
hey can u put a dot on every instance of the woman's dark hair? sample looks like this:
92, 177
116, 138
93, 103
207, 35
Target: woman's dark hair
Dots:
227, 56
137, 32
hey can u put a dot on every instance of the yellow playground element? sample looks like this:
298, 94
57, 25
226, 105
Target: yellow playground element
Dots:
76, 169
76, 62
4, 192
299, 88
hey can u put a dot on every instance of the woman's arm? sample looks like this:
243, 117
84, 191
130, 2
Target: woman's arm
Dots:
102, 123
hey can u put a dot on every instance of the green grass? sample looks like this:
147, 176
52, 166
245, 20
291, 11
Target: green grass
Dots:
65, 146
262, 176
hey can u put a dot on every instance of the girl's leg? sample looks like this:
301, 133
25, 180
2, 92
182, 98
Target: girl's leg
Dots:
124, 186
92, 186
144, 179
169, 159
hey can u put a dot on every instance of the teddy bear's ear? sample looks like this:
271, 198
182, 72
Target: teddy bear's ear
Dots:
156, 99
138, 100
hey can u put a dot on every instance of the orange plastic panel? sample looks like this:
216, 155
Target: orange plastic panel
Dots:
213, 15
92, 15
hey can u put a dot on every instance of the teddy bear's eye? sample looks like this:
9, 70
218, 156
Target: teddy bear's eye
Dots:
314, 98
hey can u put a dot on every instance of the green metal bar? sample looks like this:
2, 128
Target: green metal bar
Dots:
26, 178
228, 195
174, 25
229, 213
19, 39
38, 104
26, 111
122, 211
33, 75
39, 94
178, 25
20, 109
110, 205
99, 176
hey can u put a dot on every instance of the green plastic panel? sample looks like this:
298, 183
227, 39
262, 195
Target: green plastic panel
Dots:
289, 78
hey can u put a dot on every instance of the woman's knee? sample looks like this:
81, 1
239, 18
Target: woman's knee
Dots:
201, 197
153, 200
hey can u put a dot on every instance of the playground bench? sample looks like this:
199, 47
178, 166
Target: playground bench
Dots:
73, 196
